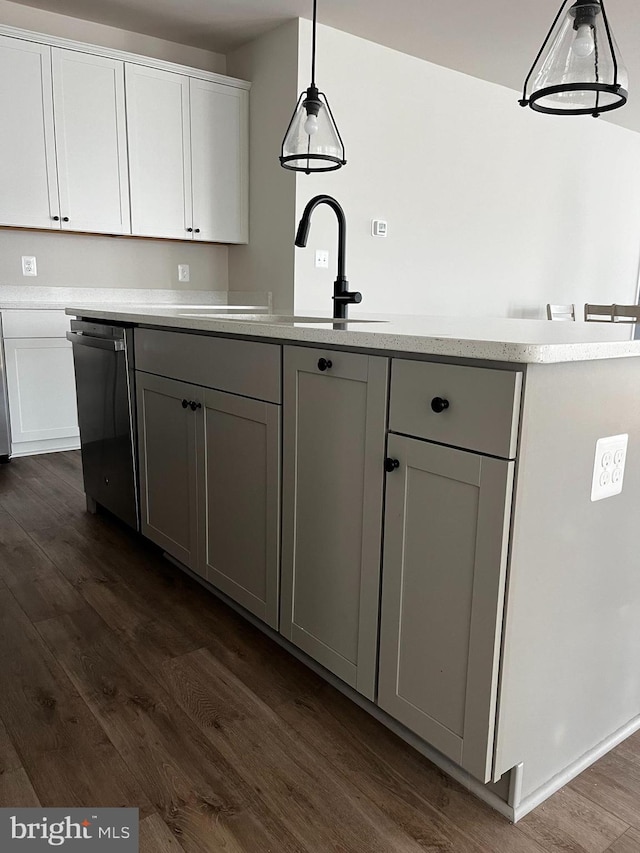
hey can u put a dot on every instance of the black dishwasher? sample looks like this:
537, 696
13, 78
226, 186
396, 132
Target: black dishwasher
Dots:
105, 387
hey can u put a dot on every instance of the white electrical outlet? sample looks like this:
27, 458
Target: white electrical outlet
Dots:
29, 266
322, 259
183, 272
608, 467
379, 227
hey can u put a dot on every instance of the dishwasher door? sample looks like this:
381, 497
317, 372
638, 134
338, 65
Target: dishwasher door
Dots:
106, 407
5, 431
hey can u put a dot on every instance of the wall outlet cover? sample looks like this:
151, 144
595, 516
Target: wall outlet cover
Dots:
379, 227
322, 259
29, 266
183, 272
608, 466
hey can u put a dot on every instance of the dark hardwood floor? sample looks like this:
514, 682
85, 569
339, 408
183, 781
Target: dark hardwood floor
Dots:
123, 682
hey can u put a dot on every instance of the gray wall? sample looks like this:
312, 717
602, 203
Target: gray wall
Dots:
85, 261
72, 260
570, 674
63, 26
267, 263
492, 209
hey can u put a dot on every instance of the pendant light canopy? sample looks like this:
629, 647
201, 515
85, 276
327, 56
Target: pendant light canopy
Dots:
312, 142
578, 70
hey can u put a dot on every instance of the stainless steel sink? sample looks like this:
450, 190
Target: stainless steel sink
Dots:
275, 319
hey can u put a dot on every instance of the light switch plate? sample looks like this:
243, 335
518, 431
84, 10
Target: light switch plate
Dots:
183, 272
608, 466
379, 227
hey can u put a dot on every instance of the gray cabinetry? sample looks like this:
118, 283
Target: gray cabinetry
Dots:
239, 485
167, 433
334, 438
482, 405
248, 368
210, 483
210, 461
447, 516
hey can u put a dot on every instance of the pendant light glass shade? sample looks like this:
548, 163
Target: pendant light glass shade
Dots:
312, 142
578, 70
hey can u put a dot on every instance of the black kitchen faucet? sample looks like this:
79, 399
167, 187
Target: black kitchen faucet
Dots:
341, 294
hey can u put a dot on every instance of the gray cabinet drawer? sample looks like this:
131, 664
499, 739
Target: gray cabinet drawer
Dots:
240, 367
483, 406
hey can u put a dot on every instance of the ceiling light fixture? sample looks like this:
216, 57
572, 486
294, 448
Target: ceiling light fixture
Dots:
312, 142
578, 70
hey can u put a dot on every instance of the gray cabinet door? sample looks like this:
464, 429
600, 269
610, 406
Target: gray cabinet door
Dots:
168, 465
445, 556
239, 492
334, 437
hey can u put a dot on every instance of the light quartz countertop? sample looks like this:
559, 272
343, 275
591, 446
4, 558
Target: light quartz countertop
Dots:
485, 338
37, 298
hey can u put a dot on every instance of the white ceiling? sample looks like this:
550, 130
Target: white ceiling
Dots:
495, 39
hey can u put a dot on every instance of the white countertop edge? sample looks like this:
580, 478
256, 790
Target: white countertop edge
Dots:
62, 306
47, 298
396, 341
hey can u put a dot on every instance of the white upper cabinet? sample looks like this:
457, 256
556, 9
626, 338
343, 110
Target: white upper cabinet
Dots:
219, 161
159, 152
28, 183
91, 142
188, 143
106, 142
63, 150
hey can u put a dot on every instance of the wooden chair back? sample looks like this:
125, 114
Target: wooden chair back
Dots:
611, 313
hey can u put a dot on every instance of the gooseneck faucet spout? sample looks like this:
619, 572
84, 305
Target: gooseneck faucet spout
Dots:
341, 295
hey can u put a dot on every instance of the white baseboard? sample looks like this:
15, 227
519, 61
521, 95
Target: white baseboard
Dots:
50, 445
531, 801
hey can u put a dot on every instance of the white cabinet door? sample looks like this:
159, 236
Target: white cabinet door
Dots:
91, 143
42, 395
219, 161
28, 182
159, 152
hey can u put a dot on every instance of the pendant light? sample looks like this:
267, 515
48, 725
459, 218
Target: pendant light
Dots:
312, 142
578, 70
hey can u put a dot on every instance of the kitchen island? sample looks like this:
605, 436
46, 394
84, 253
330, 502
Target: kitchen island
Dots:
418, 493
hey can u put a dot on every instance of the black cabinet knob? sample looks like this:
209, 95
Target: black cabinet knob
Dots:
391, 465
56, 218
65, 218
439, 404
197, 230
189, 230
195, 405
185, 403
324, 364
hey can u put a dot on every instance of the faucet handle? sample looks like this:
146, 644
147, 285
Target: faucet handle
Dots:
348, 298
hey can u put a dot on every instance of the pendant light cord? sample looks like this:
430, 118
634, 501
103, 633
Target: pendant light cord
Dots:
313, 46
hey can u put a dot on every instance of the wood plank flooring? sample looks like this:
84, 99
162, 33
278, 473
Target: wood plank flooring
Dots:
124, 683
